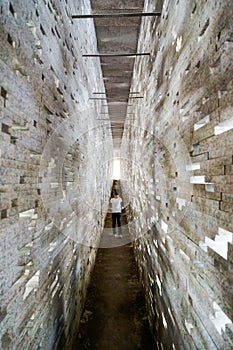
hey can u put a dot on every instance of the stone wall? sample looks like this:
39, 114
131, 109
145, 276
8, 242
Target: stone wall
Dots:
50, 218
177, 175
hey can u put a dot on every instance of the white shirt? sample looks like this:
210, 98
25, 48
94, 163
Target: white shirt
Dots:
116, 205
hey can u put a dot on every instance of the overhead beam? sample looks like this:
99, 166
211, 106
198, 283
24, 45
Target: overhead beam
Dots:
117, 54
103, 93
114, 98
120, 103
120, 84
110, 98
117, 15
136, 96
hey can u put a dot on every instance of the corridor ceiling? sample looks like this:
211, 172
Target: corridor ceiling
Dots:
117, 35
117, 24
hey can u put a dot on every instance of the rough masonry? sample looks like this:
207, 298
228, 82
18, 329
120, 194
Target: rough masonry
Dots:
178, 176
45, 86
176, 171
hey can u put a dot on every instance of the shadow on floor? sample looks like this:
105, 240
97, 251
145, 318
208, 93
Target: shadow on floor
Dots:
114, 315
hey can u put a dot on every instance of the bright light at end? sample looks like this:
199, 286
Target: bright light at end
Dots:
116, 169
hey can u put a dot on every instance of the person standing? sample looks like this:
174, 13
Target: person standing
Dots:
116, 214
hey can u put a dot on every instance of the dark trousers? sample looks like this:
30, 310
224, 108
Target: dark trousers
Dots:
116, 217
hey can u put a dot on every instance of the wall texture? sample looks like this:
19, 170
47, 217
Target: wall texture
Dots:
48, 177
177, 175
177, 171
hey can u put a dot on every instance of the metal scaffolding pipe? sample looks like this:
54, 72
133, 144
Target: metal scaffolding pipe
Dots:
117, 15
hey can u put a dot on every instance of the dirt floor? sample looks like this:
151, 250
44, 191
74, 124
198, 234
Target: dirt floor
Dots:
114, 316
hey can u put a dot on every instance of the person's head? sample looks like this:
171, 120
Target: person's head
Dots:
116, 195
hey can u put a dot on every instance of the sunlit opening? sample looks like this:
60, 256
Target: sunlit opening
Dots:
116, 169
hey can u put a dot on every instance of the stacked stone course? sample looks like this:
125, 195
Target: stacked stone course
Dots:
180, 145
45, 82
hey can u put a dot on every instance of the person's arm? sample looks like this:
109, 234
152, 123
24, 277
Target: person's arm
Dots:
122, 207
110, 206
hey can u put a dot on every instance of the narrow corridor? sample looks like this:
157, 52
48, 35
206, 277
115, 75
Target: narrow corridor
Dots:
114, 315
138, 91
